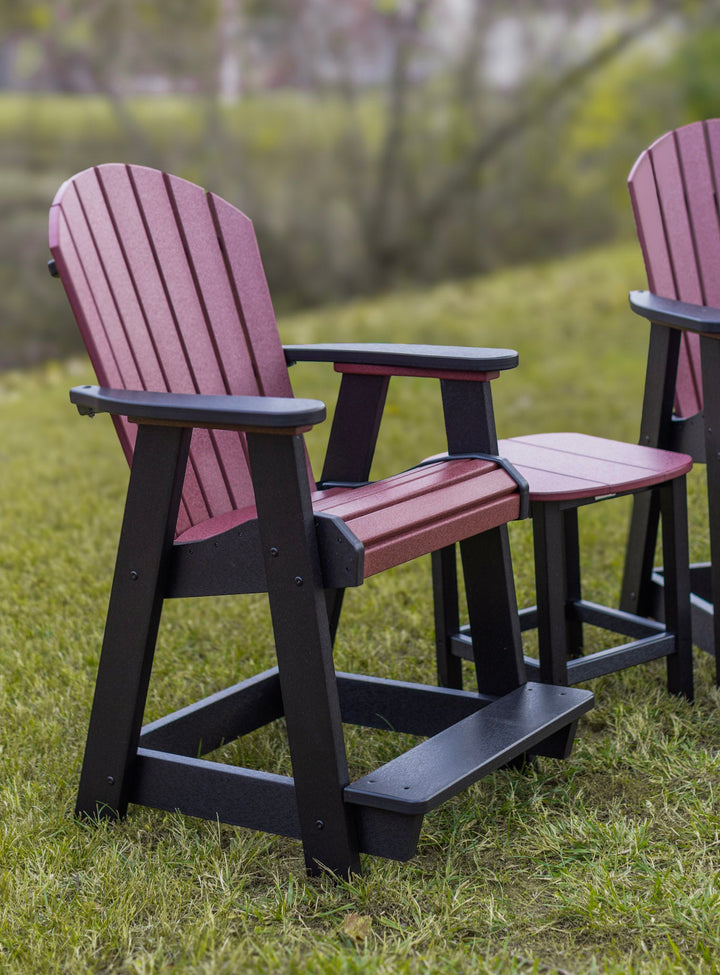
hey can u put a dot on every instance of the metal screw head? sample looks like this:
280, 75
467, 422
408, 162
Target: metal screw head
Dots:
298, 580
319, 824
274, 552
133, 574
111, 780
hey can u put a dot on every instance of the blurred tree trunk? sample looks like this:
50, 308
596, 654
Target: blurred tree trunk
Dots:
392, 243
230, 33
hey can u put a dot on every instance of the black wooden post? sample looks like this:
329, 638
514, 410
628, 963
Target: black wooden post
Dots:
136, 599
710, 357
487, 565
304, 651
655, 431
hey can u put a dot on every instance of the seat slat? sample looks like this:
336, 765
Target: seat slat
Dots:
417, 507
422, 510
402, 487
566, 466
388, 551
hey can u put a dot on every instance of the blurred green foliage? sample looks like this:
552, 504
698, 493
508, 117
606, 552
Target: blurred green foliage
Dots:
304, 166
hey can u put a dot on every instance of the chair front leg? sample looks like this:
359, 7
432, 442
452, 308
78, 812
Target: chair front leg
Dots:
710, 356
304, 652
676, 559
133, 618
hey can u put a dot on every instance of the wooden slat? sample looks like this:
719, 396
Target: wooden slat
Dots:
219, 455
409, 485
236, 237
247, 278
115, 245
566, 466
702, 209
415, 540
700, 194
423, 510
676, 219
408, 515
651, 228
668, 188
155, 329
671, 191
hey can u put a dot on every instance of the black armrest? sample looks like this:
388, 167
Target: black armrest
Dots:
678, 314
444, 357
188, 409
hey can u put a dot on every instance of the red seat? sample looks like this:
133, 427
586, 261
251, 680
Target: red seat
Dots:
575, 466
565, 471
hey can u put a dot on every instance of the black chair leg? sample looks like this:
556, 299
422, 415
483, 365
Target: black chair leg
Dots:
573, 583
550, 587
133, 619
447, 616
636, 595
304, 652
710, 356
676, 557
493, 612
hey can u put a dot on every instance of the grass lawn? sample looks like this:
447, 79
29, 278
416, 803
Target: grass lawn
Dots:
607, 862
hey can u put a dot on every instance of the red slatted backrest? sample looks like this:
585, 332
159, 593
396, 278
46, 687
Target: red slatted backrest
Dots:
168, 289
673, 188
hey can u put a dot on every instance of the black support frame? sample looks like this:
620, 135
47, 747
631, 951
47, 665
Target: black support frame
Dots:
644, 584
162, 764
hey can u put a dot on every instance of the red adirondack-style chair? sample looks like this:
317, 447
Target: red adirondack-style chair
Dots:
167, 287
674, 188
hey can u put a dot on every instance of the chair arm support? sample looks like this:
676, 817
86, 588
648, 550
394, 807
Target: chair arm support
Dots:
265, 413
428, 357
701, 319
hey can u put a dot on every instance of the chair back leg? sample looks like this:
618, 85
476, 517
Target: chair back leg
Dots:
493, 612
